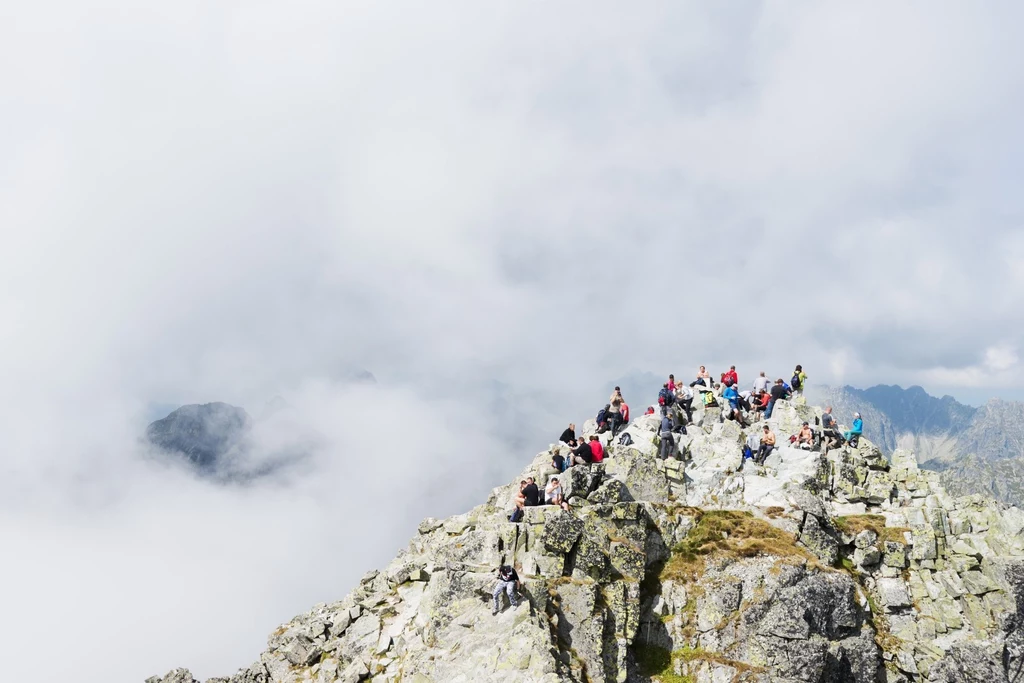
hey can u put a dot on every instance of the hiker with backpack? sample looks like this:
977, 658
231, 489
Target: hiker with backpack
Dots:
508, 582
799, 381
730, 378
666, 396
602, 419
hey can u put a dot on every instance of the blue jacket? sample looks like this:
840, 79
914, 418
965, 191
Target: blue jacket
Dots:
731, 395
858, 426
666, 424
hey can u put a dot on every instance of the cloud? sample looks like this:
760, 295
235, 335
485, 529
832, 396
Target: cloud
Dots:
496, 209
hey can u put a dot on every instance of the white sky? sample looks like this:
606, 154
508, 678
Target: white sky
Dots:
498, 208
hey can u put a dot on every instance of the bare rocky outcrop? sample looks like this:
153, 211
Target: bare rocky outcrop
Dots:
843, 566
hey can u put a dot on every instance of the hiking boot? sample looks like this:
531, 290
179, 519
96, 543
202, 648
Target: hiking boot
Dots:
494, 612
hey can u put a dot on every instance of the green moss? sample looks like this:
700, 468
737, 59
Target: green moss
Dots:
729, 533
659, 662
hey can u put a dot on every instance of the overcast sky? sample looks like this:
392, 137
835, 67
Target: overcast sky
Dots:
497, 208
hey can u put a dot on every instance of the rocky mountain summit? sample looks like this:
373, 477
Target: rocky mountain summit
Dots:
978, 450
834, 567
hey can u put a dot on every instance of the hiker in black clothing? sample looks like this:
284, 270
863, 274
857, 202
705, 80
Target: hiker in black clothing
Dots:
569, 435
508, 582
582, 454
830, 436
531, 494
778, 393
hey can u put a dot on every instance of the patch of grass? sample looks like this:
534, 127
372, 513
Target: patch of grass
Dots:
731, 534
774, 512
854, 524
658, 662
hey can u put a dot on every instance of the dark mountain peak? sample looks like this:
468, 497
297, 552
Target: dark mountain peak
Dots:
204, 433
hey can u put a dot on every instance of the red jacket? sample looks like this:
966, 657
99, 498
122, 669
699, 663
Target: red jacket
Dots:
731, 376
598, 450
625, 413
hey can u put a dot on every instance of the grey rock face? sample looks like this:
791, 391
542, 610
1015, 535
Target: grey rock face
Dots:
817, 567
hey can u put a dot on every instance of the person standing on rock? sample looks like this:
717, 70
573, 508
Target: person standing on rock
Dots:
672, 383
778, 393
730, 378
508, 582
684, 399
761, 383
665, 434
614, 415
799, 380
767, 445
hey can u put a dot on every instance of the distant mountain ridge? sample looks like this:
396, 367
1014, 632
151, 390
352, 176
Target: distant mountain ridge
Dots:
978, 450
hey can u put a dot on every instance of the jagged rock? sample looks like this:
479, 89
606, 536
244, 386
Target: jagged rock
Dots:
174, 676
561, 532
629, 567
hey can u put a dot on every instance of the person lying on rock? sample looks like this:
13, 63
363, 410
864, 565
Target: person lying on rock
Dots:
805, 438
766, 447
553, 494
508, 582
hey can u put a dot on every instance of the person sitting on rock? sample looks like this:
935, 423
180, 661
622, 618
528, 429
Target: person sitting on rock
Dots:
767, 445
583, 454
760, 401
650, 410
829, 430
553, 494
529, 494
805, 438
596, 449
508, 582
703, 378
568, 437
853, 435
625, 413
730, 378
665, 435
602, 419
684, 399
558, 461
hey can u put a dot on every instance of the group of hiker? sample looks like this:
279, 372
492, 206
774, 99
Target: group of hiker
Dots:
675, 404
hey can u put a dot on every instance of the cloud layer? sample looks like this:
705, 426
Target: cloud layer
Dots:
497, 209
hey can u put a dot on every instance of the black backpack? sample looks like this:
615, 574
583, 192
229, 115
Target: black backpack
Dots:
795, 382
626, 440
